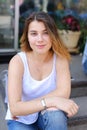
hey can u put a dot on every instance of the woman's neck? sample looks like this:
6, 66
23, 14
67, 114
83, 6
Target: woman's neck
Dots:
41, 57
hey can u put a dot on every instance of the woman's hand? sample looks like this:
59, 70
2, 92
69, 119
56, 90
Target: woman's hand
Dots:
66, 105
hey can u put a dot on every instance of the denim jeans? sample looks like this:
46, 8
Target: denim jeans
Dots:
85, 66
49, 120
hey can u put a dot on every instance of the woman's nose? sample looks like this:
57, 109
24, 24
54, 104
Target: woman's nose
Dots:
40, 37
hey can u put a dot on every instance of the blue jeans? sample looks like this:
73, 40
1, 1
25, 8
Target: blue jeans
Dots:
85, 66
50, 120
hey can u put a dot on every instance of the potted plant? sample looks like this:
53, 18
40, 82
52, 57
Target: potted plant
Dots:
69, 28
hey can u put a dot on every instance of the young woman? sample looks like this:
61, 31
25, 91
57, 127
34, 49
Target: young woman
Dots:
39, 81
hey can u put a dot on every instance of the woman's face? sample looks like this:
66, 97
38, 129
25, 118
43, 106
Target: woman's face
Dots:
38, 37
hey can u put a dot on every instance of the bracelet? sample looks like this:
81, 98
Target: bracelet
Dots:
43, 103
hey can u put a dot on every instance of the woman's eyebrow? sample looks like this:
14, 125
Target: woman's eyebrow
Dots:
36, 30
32, 31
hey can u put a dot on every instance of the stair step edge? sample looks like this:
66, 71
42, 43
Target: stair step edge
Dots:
77, 83
77, 121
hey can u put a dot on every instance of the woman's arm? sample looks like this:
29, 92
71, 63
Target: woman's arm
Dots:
62, 93
17, 106
63, 79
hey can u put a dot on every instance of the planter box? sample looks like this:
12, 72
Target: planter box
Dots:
69, 38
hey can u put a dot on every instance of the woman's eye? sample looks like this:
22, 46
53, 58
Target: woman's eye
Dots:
33, 34
46, 32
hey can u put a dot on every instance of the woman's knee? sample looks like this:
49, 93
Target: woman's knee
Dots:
57, 117
54, 119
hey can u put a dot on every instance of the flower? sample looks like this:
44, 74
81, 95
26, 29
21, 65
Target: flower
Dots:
69, 22
70, 31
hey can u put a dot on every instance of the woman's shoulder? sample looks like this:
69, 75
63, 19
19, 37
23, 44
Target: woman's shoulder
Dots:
60, 58
16, 61
61, 61
62, 65
17, 57
16, 65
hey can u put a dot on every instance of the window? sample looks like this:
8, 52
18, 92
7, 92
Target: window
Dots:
7, 13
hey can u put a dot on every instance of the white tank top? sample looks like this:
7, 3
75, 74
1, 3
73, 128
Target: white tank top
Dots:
33, 88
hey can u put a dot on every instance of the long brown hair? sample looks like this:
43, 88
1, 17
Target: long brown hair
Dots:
57, 45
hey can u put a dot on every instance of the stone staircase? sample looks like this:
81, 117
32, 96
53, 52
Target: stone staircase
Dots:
79, 89
78, 94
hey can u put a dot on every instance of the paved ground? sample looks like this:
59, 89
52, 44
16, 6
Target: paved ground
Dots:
76, 72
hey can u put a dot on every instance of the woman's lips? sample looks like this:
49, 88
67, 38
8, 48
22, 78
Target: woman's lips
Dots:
40, 46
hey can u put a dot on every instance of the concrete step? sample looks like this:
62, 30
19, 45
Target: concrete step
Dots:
79, 88
79, 121
79, 79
